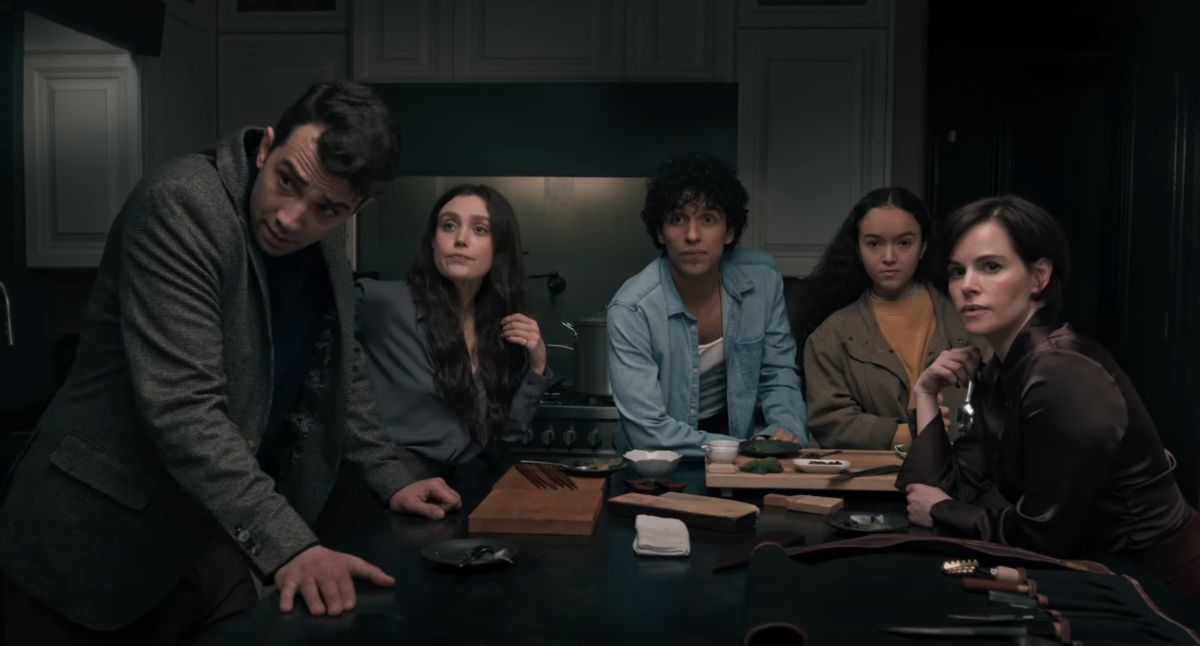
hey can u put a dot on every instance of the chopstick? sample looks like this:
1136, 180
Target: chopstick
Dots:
527, 471
556, 475
546, 477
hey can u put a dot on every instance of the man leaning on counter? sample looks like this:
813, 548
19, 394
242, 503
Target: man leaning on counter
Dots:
217, 389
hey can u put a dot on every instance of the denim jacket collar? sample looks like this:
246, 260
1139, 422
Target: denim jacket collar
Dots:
734, 282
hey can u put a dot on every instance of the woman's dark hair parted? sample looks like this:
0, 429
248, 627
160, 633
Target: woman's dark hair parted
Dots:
360, 143
840, 277
1034, 233
695, 177
503, 292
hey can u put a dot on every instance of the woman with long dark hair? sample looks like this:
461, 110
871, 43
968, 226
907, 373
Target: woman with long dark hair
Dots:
1059, 429
880, 318
454, 362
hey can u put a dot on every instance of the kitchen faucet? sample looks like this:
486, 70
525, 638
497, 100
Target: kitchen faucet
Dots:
7, 312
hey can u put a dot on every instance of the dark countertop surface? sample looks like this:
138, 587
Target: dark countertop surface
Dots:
562, 590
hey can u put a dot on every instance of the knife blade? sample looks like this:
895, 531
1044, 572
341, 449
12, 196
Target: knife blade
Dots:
1065, 604
873, 471
998, 618
960, 631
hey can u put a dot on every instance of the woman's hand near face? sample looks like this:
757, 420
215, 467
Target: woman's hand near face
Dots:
954, 367
524, 331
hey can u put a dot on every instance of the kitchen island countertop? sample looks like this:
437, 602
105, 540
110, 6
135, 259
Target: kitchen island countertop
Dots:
562, 590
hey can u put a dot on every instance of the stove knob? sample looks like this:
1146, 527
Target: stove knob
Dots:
548, 437
593, 438
527, 436
569, 436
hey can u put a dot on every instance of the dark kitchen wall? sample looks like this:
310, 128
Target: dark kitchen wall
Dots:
1084, 106
45, 304
1157, 268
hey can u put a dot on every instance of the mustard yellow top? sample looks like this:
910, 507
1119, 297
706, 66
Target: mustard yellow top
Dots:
908, 325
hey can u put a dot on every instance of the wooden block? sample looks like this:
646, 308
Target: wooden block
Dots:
722, 467
516, 506
794, 481
775, 500
693, 510
814, 504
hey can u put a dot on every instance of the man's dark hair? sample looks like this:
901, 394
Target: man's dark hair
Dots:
360, 143
1035, 235
695, 177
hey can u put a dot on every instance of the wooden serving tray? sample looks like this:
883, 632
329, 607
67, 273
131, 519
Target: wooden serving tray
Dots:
791, 478
693, 510
517, 506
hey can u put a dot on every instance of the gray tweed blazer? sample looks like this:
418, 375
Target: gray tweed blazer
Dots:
149, 448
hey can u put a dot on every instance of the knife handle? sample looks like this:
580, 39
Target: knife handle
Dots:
977, 585
1012, 574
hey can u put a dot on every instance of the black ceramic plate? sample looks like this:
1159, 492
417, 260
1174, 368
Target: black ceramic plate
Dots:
470, 554
866, 522
769, 448
593, 466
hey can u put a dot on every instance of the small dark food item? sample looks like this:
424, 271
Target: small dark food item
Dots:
769, 448
764, 465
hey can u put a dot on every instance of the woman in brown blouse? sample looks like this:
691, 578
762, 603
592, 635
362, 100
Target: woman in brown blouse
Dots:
1059, 429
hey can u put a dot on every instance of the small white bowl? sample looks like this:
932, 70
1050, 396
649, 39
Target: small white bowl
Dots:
653, 464
821, 466
721, 451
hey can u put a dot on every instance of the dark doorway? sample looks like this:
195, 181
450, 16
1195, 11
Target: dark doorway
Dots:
1082, 106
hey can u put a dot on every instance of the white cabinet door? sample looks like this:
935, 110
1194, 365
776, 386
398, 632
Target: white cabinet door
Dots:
402, 40
82, 153
179, 92
812, 134
260, 75
516, 40
684, 40
813, 13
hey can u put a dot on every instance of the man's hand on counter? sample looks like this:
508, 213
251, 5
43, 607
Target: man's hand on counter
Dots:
430, 498
325, 579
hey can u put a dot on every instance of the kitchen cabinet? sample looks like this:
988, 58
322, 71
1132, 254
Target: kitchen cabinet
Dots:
813, 119
814, 13
543, 40
278, 16
515, 40
262, 74
82, 152
679, 40
402, 40
179, 87
198, 13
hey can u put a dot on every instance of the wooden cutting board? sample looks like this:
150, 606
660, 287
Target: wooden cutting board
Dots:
791, 478
517, 506
696, 511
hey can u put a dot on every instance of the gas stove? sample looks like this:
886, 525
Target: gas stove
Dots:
572, 424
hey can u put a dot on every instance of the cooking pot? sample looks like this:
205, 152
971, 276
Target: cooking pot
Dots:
591, 356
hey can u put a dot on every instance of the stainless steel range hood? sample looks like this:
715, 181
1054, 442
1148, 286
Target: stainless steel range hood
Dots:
559, 129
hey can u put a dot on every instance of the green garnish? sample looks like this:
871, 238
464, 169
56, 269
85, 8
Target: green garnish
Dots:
764, 465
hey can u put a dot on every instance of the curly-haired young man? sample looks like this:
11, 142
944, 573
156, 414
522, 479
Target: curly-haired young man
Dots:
700, 336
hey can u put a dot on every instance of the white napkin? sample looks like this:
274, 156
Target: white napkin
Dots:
661, 536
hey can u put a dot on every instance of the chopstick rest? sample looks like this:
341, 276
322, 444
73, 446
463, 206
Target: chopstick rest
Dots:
658, 536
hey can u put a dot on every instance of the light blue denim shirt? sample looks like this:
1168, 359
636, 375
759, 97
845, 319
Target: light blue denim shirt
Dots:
654, 353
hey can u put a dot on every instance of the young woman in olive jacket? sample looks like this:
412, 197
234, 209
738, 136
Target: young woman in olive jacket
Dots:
888, 323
